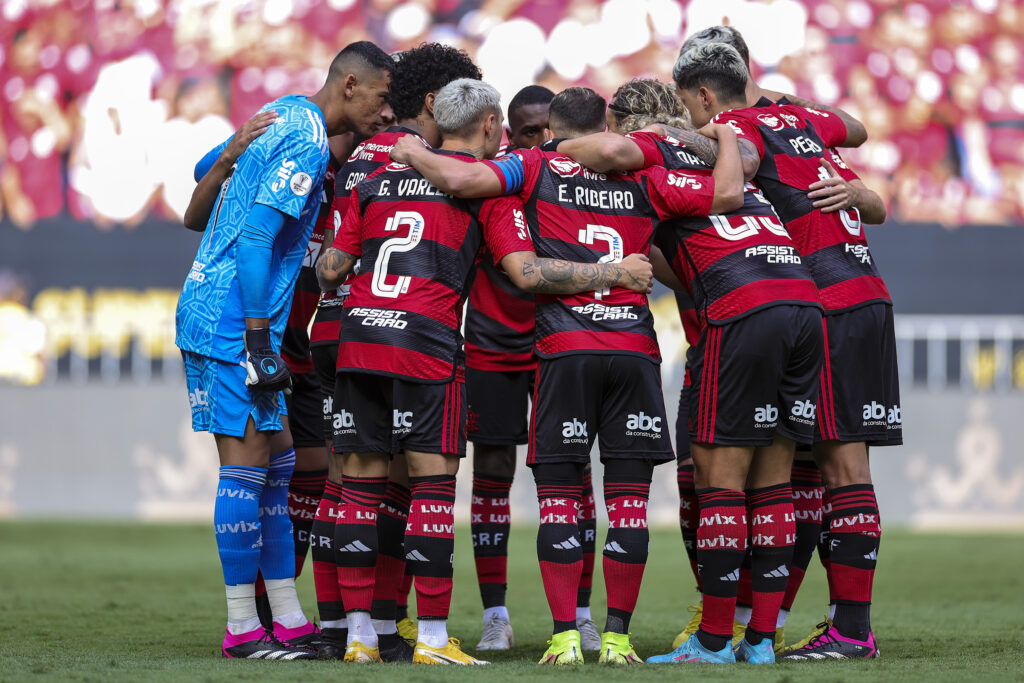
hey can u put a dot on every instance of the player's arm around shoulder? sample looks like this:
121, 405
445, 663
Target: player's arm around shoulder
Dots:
450, 175
214, 168
729, 173
558, 276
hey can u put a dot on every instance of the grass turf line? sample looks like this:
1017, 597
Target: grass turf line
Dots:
104, 602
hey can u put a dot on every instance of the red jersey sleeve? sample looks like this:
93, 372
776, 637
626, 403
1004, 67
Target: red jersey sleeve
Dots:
648, 144
504, 224
844, 171
830, 127
744, 129
349, 237
678, 193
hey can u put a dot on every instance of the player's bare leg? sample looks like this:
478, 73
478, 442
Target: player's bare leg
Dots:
494, 467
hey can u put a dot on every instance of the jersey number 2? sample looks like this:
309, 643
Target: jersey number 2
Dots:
398, 245
602, 233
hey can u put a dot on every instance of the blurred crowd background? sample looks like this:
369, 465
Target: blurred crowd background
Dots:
107, 105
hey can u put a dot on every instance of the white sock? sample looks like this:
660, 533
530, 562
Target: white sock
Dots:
384, 627
432, 632
499, 612
360, 627
337, 623
743, 615
832, 611
242, 608
781, 621
284, 603
583, 613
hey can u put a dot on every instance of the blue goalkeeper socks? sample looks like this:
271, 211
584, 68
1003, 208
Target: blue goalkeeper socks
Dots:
277, 557
236, 522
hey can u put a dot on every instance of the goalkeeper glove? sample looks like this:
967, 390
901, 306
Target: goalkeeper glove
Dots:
265, 371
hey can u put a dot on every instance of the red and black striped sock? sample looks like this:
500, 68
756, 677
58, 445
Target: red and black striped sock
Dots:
854, 537
559, 548
772, 534
430, 543
389, 574
689, 515
304, 491
325, 569
807, 496
824, 548
490, 513
355, 539
587, 521
721, 546
625, 549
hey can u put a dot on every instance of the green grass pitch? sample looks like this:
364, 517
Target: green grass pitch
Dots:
105, 602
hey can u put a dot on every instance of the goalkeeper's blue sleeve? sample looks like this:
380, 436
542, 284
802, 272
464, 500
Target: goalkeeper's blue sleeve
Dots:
253, 255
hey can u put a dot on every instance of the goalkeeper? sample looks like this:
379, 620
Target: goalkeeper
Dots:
230, 319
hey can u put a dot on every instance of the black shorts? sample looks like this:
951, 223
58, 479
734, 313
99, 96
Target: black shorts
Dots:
499, 403
757, 377
614, 397
305, 406
325, 361
682, 425
860, 389
378, 414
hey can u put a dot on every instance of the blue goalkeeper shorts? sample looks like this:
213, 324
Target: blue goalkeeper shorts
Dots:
220, 401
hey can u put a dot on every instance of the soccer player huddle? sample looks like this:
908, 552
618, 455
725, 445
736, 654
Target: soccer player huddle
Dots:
322, 324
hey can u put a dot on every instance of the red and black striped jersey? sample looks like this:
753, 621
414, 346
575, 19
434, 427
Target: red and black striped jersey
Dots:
692, 328
366, 158
579, 215
791, 141
296, 341
732, 264
499, 318
417, 248
499, 321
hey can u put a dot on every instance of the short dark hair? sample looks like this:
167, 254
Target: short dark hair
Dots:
577, 111
715, 66
531, 94
359, 54
719, 34
426, 69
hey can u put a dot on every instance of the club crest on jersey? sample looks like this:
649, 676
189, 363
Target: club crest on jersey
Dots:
300, 183
564, 166
771, 121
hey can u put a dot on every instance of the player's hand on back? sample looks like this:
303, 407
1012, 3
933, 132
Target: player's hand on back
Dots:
250, 130
265, 371
639, 271
405, 147
833, 194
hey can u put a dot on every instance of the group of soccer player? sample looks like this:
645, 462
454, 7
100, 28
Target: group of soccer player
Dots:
322, 330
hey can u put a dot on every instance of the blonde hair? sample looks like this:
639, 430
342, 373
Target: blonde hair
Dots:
641, 102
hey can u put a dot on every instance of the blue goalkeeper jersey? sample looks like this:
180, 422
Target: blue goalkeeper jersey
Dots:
283, 169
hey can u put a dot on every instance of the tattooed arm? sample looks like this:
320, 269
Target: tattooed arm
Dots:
706, 149
556, 276
333, 267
